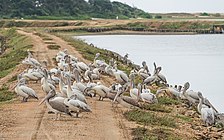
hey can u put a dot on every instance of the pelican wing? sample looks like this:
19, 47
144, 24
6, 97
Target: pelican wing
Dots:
130, 100
81, 105
29, 91
59, 106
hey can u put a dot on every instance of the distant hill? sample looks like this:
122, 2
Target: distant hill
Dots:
68, 9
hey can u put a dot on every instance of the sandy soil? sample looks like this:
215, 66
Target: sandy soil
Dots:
25, 121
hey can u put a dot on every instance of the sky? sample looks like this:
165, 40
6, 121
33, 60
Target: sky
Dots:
168, 6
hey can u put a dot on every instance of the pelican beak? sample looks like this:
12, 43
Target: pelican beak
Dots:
15, 86
45, 98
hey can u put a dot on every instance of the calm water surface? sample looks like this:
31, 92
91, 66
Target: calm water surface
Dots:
198, 59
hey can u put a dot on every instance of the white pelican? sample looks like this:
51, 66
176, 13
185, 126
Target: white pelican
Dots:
22, 90
207, 113
57, 104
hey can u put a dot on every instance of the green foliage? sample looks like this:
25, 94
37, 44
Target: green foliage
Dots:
141, 133
168, 101
5, 94
185, 118
157, 107
204, 14
53, 47
17, 46
68, 9
148, 118
158, 17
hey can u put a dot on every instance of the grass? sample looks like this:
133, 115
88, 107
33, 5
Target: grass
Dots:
17, 46
157, 108
5, 94
14, 78
185, 118
53, 47
168, 101
141, 133
149, 118
49, 42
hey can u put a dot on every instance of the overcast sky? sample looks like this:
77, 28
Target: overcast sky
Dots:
164, 6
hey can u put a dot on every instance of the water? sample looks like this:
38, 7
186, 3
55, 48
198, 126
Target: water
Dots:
198, 59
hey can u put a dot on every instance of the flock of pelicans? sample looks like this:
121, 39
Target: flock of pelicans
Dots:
77, 80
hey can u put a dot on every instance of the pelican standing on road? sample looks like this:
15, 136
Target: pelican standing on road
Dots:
22, 90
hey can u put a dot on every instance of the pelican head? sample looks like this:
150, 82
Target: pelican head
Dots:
50, 94
143, 63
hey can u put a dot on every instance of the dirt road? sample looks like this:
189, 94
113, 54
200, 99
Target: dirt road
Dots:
24, 121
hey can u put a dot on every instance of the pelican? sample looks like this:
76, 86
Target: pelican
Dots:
173, 91
57, 104
74, 93
22, 90
153, 78
207, 113
160, 76
146, 96
120, 76
76, 106
47, 87
126, 101
99, 89
144, 71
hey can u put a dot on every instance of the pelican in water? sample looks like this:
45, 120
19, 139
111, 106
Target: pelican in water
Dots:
22, 90
207, 113
56, 104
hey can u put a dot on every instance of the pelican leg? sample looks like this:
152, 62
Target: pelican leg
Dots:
56, 116
25, 100
94, 95
77, 114
59, 115
99, 98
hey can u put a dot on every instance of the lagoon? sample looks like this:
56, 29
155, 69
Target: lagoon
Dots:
198, 59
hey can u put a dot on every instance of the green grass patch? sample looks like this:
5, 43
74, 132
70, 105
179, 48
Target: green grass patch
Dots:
53, 47
5, 94
17, 51
49, 42
141, 133
149, 118
185, 118
157, 108
168, 101
14, 78
47, 38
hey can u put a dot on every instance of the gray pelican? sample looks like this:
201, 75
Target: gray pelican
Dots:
207, 113
126, 101
144, 71
57, 104
22, 90
193, 97
153, 78
160, 76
